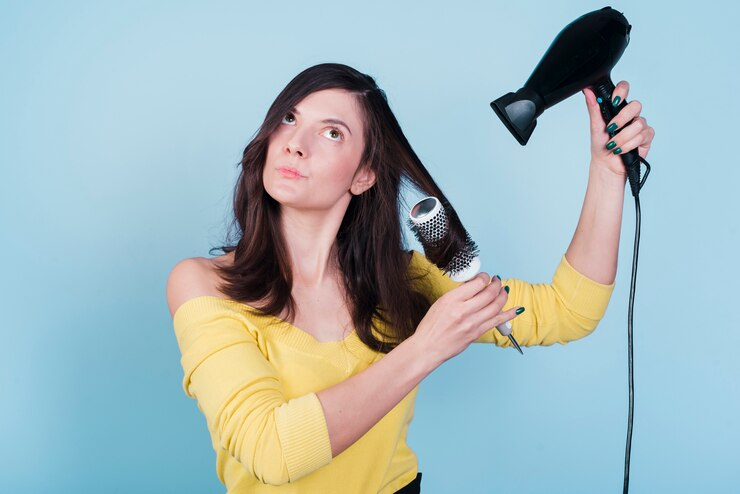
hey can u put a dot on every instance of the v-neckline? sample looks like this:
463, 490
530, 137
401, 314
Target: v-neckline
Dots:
352, 334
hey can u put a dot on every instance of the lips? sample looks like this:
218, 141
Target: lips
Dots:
289, 172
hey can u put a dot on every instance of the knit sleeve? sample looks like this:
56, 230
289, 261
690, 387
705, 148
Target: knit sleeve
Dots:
237, 389
568, 308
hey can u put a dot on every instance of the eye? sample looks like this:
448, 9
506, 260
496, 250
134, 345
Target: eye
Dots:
289, 119
334, 134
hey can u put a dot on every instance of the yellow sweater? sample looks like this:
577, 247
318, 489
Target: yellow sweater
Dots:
255, 377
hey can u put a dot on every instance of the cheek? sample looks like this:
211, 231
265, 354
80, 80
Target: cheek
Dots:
342, 171
346, 163
272, 148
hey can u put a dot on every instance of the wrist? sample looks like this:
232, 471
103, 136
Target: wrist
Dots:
607, 177
419, 354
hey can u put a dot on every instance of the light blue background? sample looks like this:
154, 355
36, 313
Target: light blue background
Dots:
120, 127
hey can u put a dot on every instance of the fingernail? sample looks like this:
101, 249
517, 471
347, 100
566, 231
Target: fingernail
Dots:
519, 310
617, 151
499, 278
616, 101
611, 128
599, 100
506, 288
611, 145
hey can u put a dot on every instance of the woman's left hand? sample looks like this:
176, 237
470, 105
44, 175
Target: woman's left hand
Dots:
635, 133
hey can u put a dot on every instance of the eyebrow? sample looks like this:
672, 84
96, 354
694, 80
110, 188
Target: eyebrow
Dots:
334, 121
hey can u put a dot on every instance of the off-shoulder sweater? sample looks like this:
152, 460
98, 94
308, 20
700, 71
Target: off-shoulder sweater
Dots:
255, 379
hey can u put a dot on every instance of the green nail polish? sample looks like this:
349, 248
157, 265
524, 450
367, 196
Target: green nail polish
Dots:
611, 128
616, 101
611, 145
506, 288
519, 310
617, 151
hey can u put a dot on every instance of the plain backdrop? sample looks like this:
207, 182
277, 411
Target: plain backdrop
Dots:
121, 124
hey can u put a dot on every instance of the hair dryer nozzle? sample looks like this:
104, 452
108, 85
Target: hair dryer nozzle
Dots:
519, 112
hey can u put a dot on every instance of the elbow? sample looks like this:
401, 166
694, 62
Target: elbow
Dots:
270, 469
256, 445
276, 442
577, 319
267, 459
580, 327
574, 326
562, 327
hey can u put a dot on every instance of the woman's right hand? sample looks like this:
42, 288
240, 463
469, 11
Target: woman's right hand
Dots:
461, 316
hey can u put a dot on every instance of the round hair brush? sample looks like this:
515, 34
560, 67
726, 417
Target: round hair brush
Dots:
428, 221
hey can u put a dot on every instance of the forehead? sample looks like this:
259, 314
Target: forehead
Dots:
331, 103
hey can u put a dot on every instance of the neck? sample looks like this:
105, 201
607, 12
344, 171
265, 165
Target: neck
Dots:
310, 238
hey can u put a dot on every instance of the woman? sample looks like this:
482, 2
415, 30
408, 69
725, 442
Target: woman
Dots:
304, 344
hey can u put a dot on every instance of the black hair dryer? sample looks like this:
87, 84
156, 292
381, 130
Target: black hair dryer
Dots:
582, 55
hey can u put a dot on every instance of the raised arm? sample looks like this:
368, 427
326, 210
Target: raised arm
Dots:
595, 245
572, 305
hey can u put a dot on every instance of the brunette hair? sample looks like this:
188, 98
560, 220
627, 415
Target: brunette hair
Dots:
370, 241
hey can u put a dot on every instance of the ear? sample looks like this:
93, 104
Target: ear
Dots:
364, 179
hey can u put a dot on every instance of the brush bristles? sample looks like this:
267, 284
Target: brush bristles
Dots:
439, 246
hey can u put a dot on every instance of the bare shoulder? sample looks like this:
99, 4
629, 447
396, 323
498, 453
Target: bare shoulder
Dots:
191, 278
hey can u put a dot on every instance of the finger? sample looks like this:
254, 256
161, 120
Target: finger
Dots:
620, 142
497, 319
594, 113
641, 140
626, 115
620, 92
643, 148
490, 306
485, 297
470, 288
507, 315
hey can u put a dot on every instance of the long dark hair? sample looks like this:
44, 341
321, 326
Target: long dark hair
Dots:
370, 241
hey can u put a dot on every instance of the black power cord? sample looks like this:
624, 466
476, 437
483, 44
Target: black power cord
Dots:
630, 314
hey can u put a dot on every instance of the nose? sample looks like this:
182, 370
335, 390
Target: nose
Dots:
293, 149
295, 145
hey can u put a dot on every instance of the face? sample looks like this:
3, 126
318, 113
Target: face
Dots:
313, 157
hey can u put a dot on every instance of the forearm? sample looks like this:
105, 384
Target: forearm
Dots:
355, 405
595, 245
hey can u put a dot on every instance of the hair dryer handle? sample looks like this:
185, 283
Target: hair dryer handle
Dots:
603, 91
